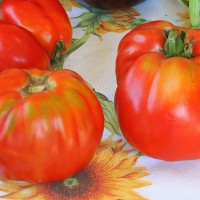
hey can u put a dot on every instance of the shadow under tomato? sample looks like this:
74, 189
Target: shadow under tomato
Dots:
111, 4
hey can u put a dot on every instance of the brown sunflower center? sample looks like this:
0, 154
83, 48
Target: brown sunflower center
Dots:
72, 187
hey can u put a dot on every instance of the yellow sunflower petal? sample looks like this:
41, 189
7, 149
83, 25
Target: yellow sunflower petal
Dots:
103, 157
185, 19
108, 141
22, 193
7, 185
137, 172
116, 193
131, 12
68, 4
113, 27
124, 17
128, 162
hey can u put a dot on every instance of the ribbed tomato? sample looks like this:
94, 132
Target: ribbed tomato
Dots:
51, 124
46, 20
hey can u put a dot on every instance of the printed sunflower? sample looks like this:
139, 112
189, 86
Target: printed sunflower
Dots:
184, 19
69, 4
98, 22
111, 174
101, 21
117, 21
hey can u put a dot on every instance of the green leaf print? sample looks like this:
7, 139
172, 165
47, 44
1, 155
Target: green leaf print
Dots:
137, 22
110, 117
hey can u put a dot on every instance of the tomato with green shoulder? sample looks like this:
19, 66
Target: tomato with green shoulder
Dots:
51, 124
158, 90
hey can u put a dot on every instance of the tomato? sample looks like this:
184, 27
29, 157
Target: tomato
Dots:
110, 4
20, 49
51, 124
158, 92
46, 20
143, 39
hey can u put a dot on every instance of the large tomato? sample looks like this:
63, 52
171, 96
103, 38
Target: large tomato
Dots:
158, 93
46, 20
51, 124
20, 49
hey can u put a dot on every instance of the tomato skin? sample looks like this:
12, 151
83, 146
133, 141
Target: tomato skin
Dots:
126, 52
46, 20
20, 49
49, 135
157, 102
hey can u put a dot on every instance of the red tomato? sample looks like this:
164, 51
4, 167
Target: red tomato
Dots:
111, 4
46, 20
51, 124
20, 49
143, 39
157, 98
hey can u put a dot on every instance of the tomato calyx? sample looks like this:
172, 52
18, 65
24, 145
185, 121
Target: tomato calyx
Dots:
36, 84
58, 55
177, 43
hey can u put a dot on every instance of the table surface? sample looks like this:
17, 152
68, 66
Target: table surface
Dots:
117, 171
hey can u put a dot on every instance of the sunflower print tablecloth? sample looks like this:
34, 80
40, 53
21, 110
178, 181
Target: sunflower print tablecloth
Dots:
117, 170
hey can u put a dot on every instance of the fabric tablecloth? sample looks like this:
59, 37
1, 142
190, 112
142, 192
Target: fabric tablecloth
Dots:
117, 171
